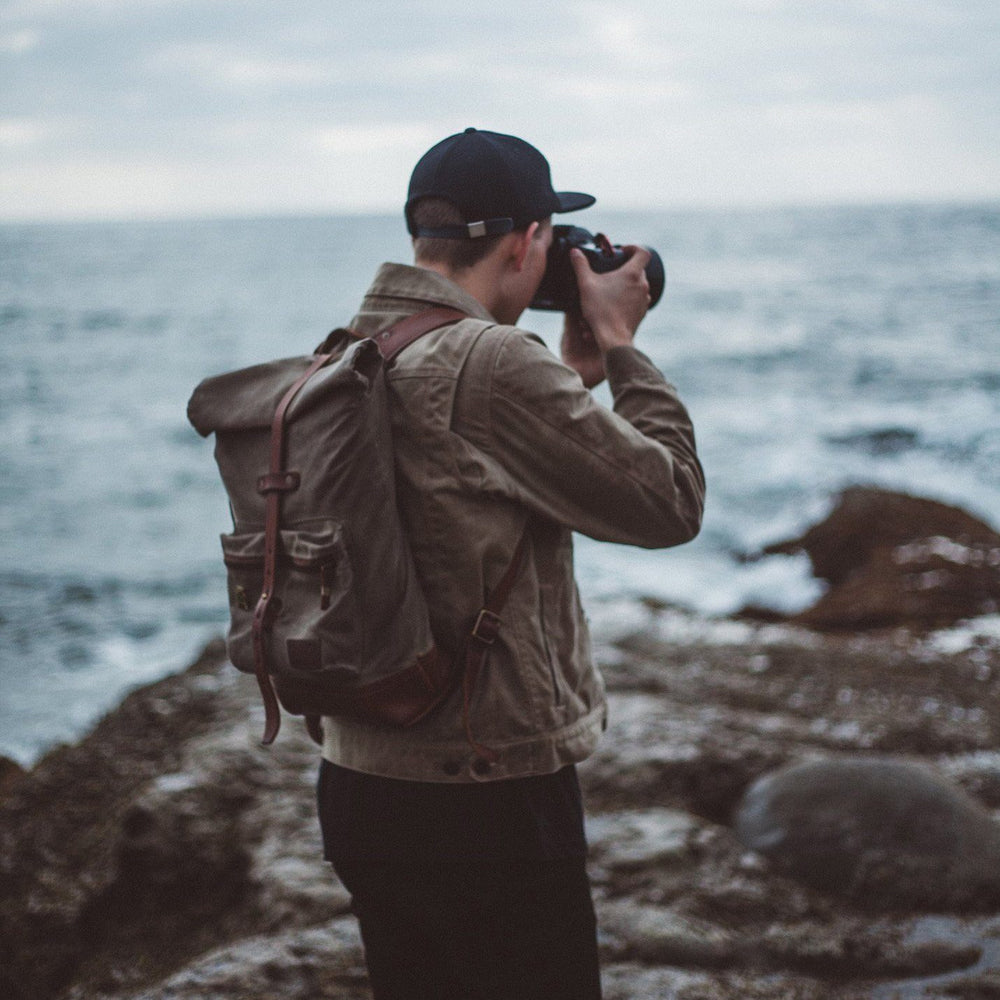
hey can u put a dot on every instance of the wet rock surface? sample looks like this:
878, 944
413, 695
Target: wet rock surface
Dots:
162, 835
167, 855
698, 719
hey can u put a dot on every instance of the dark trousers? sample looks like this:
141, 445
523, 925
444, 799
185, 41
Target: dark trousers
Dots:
465, 892
525, 932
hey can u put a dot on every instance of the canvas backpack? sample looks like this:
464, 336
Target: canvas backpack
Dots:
325, 606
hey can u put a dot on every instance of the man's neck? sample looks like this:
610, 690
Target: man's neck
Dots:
481, 283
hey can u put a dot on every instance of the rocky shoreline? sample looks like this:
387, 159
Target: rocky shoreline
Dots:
166, 856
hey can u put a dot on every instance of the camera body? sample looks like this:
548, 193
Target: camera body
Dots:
558, 291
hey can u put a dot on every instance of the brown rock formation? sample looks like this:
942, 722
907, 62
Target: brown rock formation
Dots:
895, 560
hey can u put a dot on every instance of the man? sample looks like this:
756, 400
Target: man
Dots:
461, 839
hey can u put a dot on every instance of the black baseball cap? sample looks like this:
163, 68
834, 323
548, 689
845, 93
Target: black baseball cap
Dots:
497, 182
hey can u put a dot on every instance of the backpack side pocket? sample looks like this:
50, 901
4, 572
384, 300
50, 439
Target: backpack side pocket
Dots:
243, 555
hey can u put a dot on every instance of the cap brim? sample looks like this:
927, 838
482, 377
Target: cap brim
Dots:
573, 201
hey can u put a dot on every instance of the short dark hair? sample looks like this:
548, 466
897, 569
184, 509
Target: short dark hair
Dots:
454, 254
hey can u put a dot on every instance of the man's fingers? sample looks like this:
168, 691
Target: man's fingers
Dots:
638, 257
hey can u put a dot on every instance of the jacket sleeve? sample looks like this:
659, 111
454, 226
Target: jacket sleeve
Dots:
630, 475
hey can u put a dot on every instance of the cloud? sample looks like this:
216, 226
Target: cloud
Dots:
223, 64
646, 102
19, 42
907, 144
368, 140
18, 133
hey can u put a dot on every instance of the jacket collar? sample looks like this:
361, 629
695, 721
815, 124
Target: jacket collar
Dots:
398, 288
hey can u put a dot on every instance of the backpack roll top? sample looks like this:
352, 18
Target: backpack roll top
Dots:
247, 398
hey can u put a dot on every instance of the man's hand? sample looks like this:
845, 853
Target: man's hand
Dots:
580, 352
612, 305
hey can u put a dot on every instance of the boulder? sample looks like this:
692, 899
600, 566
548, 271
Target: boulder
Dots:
896, 560
887, 834
10, 774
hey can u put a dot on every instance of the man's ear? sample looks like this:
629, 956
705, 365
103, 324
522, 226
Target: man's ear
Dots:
520, 248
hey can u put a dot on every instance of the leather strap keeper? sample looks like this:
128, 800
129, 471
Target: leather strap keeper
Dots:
281, 482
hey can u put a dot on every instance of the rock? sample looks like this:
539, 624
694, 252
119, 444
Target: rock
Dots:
664, 752
982, 987
857, 951
655, 935
631, 981
164, 833
866, 518
643, 839
325, 961
897, 560
10, 774
930, 583
887, 834
59, 825
977, 773
180, 862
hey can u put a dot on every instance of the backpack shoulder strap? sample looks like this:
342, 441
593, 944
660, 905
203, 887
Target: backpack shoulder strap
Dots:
400, 335
483, 635
472, 405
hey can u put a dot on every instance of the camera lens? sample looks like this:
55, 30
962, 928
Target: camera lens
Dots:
558, 291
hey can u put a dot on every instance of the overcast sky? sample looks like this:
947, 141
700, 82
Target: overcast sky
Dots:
140, 108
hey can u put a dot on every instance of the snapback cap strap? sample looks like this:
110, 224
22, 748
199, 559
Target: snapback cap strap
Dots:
466, 231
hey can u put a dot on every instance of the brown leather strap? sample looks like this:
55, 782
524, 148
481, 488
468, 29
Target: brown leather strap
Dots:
483, 635
400, 335
280, 480
274, 486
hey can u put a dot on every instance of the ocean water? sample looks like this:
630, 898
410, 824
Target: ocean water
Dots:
815, 348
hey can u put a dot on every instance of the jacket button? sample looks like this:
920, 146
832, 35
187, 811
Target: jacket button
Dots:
452, 768
482, 766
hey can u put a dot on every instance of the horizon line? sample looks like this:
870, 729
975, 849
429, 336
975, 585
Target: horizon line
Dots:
276, 214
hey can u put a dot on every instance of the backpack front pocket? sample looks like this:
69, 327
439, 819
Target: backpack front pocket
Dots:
313, 627
317, 626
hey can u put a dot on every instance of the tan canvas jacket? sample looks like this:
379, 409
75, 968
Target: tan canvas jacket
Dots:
493, 433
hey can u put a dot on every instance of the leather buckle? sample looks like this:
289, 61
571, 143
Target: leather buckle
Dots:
487, 627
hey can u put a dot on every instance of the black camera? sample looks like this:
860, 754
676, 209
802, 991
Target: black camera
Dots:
558, 291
